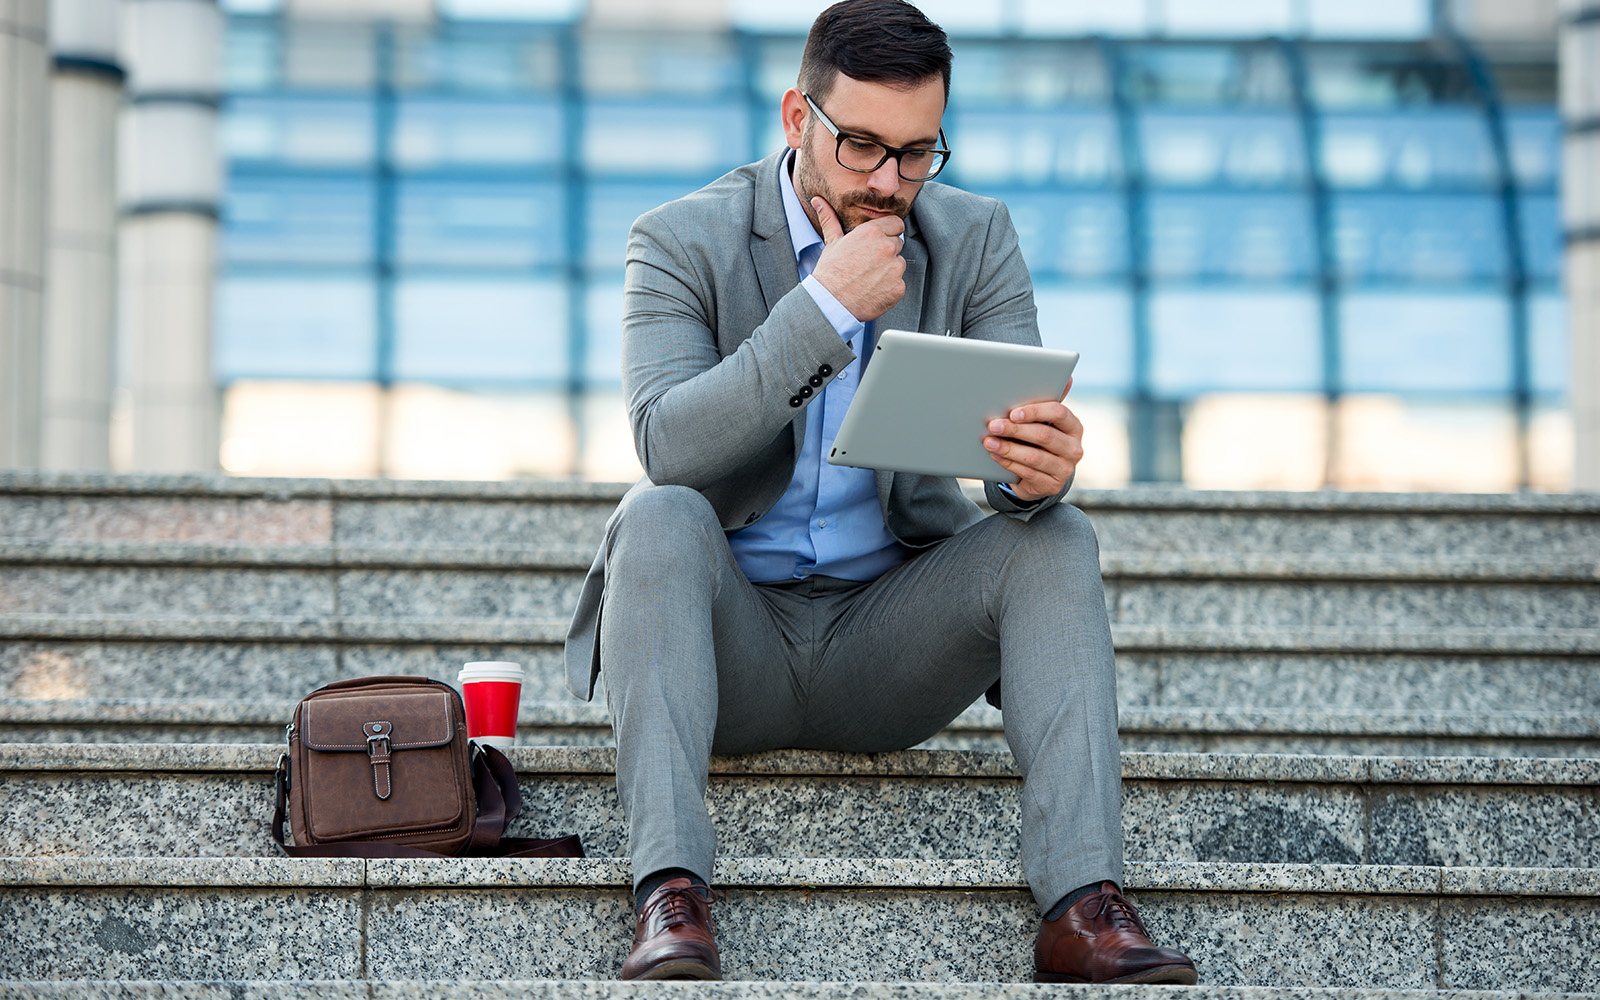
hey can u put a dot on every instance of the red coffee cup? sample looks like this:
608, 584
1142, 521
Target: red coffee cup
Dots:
491, 690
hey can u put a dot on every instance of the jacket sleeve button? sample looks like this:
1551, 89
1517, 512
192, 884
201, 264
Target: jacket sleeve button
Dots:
815, 381
824, 369
796, 401
805, 391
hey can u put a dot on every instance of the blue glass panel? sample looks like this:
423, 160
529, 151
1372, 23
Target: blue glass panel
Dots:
776, 60
1425, 342
661, 64
603, 352
1534, 138
250, 56
1210, 339
1084, 235
1207, 74
512, 10
499, 60
1095, 322
439, 131
1234, 19
1370, 18
480, 330
1246, 150
1354, 76
702, 140
1549, 343
1231, 236
1543, 245
610, 212
301, 131
1446, 148
484, 223
1062, 147
271, 327
1020, 74
291, 220
1434, 238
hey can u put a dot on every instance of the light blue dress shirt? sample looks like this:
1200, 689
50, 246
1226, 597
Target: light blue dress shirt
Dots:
828, 522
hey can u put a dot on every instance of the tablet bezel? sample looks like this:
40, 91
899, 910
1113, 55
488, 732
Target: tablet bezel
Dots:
889, 425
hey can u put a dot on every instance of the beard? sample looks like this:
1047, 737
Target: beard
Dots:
847, 206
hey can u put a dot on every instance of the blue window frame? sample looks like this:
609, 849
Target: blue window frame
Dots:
1198, 216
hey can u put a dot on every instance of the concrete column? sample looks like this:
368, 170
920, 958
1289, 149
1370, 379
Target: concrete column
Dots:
80, 313
171, 180
24, 147
1580, 196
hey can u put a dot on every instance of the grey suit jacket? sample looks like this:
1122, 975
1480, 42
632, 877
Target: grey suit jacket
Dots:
718, 336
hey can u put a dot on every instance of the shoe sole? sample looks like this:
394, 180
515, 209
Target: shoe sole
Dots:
1173, 975
684, 969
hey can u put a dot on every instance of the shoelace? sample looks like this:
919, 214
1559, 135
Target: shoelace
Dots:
1121, 912
670, 907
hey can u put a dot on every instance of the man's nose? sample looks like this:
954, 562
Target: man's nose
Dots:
885, 180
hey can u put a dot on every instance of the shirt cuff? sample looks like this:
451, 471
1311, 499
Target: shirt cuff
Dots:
846, 325
1006, 489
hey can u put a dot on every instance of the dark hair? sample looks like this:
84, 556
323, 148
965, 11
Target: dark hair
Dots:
879, 41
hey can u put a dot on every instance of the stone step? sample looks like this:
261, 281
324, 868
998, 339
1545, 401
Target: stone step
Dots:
533, 989
1459, 670
199, 800
279, 601
573, 723
1361, 927
1173, 524
567, 557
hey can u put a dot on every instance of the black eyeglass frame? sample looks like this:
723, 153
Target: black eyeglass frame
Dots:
888, 151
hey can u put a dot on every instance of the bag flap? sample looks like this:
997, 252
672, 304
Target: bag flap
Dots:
418, 717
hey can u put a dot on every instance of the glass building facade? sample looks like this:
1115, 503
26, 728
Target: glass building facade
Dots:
1287, 262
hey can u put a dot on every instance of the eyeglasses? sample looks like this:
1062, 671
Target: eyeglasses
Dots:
864, 155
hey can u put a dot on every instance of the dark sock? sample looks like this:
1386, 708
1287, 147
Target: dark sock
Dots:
1065, 902
656, 880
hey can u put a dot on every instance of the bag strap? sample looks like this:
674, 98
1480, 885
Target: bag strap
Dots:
494, 782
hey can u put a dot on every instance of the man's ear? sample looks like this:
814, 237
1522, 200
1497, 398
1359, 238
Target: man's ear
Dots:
794, 111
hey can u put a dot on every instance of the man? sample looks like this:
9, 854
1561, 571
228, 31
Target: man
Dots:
749, 596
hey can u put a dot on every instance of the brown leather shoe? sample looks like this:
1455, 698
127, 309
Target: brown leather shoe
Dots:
674, 937
1100, 939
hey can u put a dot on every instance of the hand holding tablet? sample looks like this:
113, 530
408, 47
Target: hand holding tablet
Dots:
925, 403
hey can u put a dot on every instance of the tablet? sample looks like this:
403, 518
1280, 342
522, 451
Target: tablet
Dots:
925, 402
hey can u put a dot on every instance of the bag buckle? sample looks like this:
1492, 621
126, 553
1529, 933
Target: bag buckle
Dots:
379, 748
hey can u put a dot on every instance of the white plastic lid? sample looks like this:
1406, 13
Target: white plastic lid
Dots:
490, 670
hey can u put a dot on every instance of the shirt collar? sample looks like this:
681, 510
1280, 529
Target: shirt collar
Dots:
801, 232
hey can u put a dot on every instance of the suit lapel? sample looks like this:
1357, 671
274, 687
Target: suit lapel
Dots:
771, 246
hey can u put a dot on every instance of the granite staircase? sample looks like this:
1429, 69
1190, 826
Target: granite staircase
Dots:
1361, 757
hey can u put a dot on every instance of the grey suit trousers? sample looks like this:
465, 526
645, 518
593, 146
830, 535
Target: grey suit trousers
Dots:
698, 660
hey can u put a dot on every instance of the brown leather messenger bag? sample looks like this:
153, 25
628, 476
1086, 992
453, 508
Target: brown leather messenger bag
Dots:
381, 767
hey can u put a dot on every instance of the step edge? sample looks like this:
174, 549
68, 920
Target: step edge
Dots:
599, 761
109, 712
777, 874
